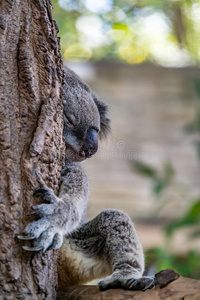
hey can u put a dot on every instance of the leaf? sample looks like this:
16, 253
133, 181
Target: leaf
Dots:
187, 264
192, 217
120, 26
194, 211
159, 186
144, 169
185, 221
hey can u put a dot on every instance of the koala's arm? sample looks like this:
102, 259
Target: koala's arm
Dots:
61, 215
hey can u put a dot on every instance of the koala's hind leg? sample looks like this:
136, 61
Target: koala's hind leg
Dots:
124, 252
78, 259
112, 241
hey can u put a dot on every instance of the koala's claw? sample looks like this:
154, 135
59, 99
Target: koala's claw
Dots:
31, 248
39, 245
26, 237
48, 240
57, 242
142, 284
152, 286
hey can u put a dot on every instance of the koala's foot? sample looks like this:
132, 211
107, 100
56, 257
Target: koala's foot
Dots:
144, 283
47, 232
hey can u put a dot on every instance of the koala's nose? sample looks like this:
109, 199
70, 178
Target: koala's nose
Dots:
91, 143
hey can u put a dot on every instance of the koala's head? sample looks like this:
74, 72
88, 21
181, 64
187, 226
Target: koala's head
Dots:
85, 118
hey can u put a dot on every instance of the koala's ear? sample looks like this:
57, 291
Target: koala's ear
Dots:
104, 120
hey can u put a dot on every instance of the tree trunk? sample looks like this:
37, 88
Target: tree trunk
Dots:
31, 140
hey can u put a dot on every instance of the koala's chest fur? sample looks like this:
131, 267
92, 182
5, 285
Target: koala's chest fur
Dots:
74, 267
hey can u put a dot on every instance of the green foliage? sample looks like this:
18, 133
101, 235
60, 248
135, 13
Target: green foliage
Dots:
164, 32
162, 258
144, 169
161, 179
192, 217
187, 265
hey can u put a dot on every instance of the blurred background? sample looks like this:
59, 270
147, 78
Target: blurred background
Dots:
142, 58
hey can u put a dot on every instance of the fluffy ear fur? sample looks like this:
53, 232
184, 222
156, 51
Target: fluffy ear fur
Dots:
104, 120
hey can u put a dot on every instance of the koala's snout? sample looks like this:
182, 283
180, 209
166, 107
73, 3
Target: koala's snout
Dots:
90, 145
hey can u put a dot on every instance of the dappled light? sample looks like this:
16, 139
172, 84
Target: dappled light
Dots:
133, 32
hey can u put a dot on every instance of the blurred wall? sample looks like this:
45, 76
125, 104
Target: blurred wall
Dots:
149, 107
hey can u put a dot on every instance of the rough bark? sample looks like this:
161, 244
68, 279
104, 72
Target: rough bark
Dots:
30, 139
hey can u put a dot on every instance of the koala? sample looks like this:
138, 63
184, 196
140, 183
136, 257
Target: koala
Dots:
106, 247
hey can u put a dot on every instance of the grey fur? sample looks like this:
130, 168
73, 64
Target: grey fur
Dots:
108, 245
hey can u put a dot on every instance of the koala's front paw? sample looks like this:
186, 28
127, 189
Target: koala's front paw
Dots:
47, 232
144, 283
49, 239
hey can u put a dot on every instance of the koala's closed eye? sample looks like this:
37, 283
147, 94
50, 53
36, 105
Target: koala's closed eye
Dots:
69, 120
96, 129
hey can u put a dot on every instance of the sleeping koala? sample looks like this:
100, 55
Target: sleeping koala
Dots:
108, 245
